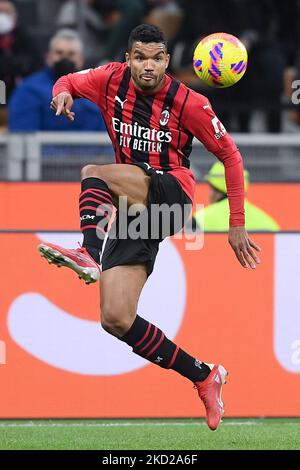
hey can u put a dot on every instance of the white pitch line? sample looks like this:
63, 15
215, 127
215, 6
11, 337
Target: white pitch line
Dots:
111, 425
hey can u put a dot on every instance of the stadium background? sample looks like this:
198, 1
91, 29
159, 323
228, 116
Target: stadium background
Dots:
52, 346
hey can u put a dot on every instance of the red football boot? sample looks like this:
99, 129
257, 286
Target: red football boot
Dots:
78, 260
210, 392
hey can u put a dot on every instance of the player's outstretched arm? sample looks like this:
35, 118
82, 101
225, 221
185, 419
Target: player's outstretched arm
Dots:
243, 247
86, 84
211, 132
62, 104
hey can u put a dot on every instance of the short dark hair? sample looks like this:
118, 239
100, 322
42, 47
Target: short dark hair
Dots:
146, 33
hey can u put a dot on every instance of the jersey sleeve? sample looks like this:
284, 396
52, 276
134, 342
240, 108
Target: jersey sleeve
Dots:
86, 83
200, 120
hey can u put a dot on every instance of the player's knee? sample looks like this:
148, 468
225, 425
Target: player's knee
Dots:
114, 320
91, 171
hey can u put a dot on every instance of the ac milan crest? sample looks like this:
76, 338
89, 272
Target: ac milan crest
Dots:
164, 118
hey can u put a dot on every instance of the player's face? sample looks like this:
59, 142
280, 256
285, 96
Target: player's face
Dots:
148, 63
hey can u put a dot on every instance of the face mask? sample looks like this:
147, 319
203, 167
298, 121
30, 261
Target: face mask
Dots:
7, 23
63, 67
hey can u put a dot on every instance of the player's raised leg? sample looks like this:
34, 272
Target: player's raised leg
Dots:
120, 290
101, 187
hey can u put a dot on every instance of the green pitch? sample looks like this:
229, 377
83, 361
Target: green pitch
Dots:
146, 434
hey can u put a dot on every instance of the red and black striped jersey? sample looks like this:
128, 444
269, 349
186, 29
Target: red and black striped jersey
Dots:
158, 129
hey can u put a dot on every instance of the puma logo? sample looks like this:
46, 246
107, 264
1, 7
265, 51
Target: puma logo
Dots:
120, 101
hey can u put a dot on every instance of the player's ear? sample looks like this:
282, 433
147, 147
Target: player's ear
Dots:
127, 57
168, 61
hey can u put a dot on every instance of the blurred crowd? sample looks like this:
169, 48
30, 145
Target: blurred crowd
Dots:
42, 40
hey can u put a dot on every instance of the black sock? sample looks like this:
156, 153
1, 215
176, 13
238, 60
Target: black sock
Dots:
95, 196
150, 343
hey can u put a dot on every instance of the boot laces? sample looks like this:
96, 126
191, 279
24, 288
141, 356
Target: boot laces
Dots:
81, 248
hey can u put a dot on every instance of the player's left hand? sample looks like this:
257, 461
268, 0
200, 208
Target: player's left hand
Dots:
243, 247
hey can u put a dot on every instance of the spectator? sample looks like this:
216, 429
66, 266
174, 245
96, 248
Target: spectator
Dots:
29, 107
167, 15
216, 215
258, 24
105, 24
18, 55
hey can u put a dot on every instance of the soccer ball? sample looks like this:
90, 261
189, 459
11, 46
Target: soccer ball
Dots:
220, 60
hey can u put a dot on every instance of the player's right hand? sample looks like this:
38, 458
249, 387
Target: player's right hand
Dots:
62, 105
